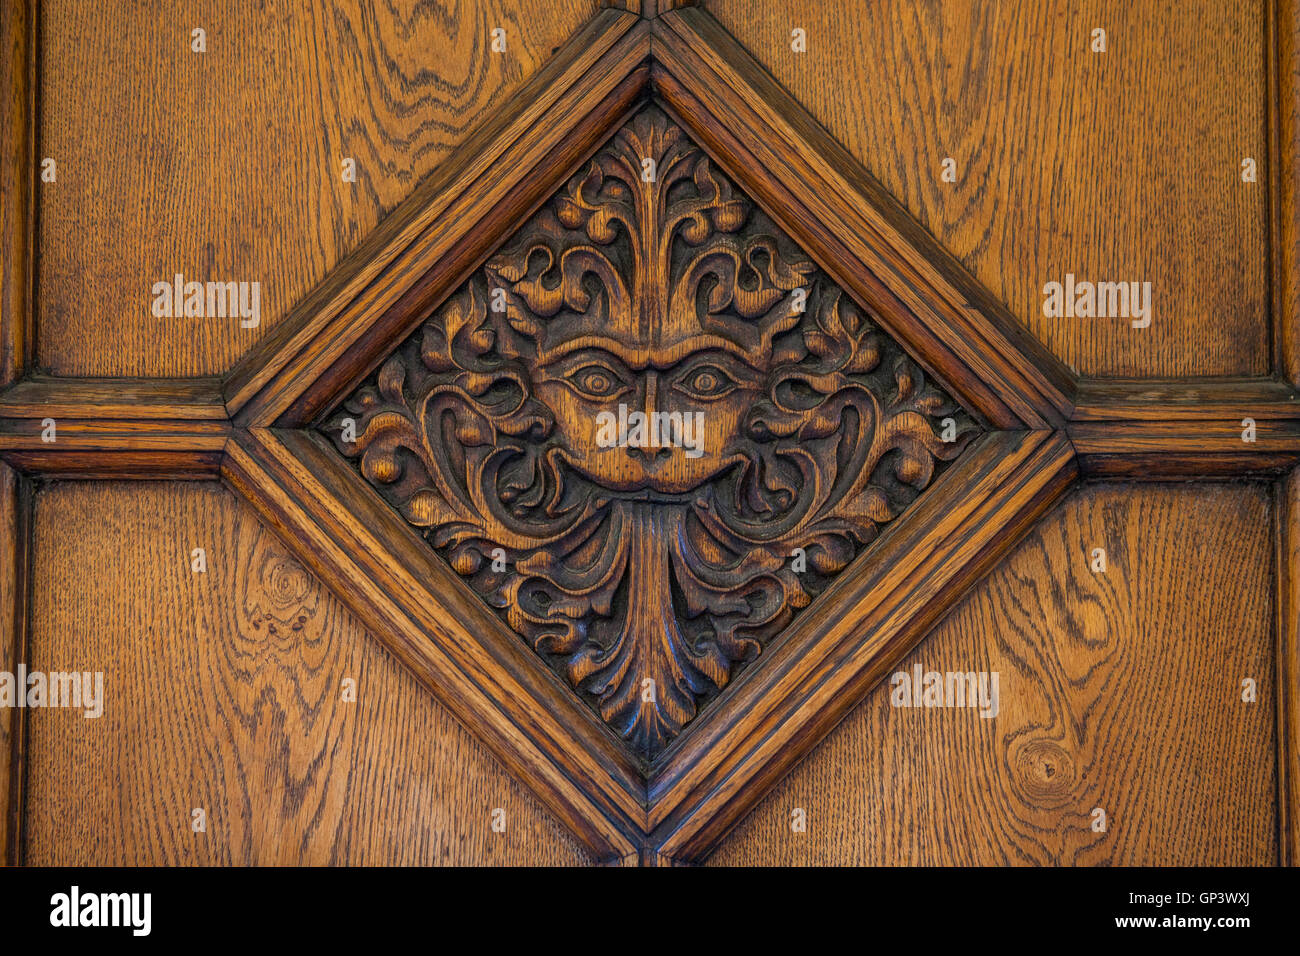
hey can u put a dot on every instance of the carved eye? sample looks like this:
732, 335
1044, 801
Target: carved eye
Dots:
595, 382
706, 382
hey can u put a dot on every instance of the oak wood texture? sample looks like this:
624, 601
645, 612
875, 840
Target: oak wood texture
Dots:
851, 637
455, 217
15, 594
1119, 690
1286, 570
224, 691
239, 176
116, 428
1055, 147
1284, 155
408, 597
679, 807
667, 559
1189, 428
694, 792
18, 26
852, 227
650, 8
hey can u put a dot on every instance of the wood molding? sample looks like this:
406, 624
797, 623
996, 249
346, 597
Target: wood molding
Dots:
650, 8
671, 807
443, 633
853, 228
19, 49
621, 563
1185, 429
452, 219
15, 599
835, 653
1287, 677
1282, 36
115, 428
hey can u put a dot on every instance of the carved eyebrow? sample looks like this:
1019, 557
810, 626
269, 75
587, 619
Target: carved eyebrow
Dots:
577, 353
634, 357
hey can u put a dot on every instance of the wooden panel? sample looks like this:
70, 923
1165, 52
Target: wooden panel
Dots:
226, 165
1119, 690
15, 549
17, 134
1287, 569
223, 691
1116, 166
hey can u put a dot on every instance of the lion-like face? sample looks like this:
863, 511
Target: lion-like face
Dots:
666, 429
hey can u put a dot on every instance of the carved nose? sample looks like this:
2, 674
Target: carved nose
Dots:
649, 455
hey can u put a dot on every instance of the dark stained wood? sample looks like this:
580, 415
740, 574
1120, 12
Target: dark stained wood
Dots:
15, 594
630, 589
18, 46
456, 215
188, 399
1054, 145
408, 597
227, 165
1194, 428
115, 428
224, 690
1118, 690
1284, 179
858, 630
1286, 570
853, 228
1141, 400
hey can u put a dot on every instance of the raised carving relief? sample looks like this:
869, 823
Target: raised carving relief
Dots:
649, 431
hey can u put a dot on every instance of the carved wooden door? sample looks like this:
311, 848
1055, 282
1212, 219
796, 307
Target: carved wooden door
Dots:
649, 434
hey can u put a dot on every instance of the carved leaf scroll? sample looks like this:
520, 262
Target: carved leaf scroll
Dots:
781, 428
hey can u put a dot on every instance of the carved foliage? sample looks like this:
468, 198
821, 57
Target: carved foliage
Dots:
779, 428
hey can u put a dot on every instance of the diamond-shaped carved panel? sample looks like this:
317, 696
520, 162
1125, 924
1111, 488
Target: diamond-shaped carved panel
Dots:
649, 431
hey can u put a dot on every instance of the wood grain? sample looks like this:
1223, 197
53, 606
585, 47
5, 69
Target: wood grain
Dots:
227, 165
1119, 690
684, 312
1154, 429
853, 228
411, 599
115, 427
438, 235
18, 29
1286, 568
224, 692
15, 594
835, 652
1284, 145
1117, 166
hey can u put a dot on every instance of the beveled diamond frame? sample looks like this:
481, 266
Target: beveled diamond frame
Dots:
674, 807
1043, 429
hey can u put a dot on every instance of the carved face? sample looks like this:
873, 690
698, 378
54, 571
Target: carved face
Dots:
648, 425
648, 431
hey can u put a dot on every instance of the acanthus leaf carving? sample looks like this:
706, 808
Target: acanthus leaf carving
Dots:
777, 420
